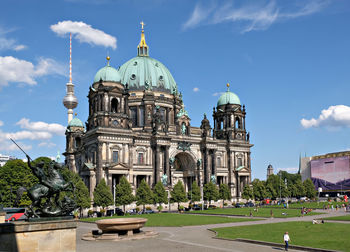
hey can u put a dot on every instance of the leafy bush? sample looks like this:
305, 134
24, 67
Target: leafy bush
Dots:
148, 208
103, 211
137, 209
160, 208
90, 212
181, 208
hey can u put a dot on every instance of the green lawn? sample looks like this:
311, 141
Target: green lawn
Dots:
339, 218
328, 236
262, 212
176, 220
313, 205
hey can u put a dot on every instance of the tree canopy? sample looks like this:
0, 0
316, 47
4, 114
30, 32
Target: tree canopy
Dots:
123, 193
144, 194
159, 194
195, 193
210, 192
247, 193
178, 193
102, 195
15, 174
224, 193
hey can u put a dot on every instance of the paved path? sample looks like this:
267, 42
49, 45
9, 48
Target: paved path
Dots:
189, 238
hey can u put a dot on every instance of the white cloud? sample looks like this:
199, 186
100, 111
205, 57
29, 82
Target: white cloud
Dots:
198, 15
7, 145
16, 70
195, 89
334, 116
47, 144
25, 134
1, 123
8, 43
40, 131
218, 93
54, 128
290, 169
84, 33
250, 17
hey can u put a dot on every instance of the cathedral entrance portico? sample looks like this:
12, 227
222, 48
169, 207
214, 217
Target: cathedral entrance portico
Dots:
185, 164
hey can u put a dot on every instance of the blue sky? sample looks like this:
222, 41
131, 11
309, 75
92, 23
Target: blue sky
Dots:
288, 61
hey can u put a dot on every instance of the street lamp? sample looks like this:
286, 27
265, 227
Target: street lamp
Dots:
114, 196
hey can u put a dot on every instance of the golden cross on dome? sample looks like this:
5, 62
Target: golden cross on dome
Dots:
142, 24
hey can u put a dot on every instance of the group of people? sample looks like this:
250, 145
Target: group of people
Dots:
305, 210
336, 208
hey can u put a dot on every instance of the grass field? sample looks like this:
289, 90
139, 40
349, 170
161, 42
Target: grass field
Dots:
262, 212
339, 218
328, 236
313, 205
176, 220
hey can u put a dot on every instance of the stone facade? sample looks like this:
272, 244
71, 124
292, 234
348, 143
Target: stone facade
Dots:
144, 132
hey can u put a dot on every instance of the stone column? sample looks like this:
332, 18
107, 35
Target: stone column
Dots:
92, 183
99, 163
157, 165
106, 103
206, 168
214, 163
238, 186
166, 163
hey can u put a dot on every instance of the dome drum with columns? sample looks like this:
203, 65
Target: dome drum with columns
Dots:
138, 127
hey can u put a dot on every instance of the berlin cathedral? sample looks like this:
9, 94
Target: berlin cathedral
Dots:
138, 127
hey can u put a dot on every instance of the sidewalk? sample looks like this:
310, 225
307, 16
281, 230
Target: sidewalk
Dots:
189, 238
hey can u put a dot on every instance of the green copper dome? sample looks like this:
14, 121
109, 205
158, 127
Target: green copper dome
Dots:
107, 73
144, 72
228, 98
75, 122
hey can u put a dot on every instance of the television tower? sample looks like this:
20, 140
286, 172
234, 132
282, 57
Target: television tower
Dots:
70, 101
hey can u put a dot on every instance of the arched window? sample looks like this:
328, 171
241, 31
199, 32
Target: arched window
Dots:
219, 162
140, 158
142, 117
133, 115
114, 105
77, 142
238, 123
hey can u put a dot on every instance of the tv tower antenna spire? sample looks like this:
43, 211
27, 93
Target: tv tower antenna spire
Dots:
70, 101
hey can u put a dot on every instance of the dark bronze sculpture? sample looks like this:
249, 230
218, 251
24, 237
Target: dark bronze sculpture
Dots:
45, 195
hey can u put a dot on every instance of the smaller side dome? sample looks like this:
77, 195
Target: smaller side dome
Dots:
107, 73
75, 122
228, 98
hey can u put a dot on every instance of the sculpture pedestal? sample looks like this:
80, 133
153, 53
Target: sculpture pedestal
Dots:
58, 236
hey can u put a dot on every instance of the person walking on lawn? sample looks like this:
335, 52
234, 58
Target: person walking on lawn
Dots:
286, 241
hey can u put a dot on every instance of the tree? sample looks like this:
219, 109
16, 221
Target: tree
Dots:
102, 195
13, 175
310, 190
247, 192
224, 193
210, 192
270, 191
259, 190
300, 189
123, 193
195, 193
144, 194
81, 192
159, 194
178, 193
